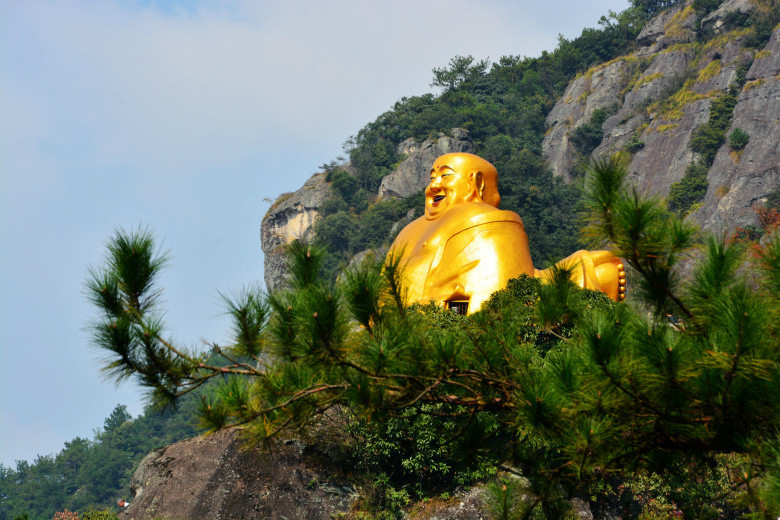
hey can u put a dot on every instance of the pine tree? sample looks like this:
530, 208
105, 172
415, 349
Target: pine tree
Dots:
580, 389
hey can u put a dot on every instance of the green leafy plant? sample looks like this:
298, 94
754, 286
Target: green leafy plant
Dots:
99, 514
587, 137
634, 144
738, 139
689, 190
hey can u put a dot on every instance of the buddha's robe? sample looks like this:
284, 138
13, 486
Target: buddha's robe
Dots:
465, 255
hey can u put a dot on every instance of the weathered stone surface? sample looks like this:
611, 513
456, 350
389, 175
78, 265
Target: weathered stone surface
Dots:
740, 181
214, 478
412, 174
665, 69
666, 134
716, 19
666, 154
675, 25
291, 217
598, 89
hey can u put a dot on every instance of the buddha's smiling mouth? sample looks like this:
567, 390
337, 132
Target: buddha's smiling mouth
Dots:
438, 198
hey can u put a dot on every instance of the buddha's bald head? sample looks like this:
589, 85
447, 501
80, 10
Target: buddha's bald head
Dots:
458, 178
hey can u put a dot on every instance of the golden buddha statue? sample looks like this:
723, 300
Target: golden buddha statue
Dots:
464, 248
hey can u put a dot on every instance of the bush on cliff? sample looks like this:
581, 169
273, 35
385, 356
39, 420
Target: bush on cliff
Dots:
582, 389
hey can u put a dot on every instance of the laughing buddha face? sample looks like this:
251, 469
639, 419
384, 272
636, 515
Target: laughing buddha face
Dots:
457, 178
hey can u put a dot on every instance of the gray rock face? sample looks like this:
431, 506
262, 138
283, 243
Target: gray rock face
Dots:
740, 181
668, 97
213, 477
599, 88
716, 19
291, 217
412, 174
675, 25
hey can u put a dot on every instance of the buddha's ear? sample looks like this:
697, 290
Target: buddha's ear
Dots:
477, 180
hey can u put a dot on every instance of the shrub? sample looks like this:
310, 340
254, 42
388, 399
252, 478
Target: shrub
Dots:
707, 138
587, 137
634, 144
99, 514
689, 190
738, 139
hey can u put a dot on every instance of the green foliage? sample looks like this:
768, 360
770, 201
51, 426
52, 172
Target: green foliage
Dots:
424, 450
99, 514
461, 69
651, 7
335, 231
373, 161
773, 199
762, 24
689, 190
707, 138
738, 139
704, 7
344, 183
587, 137
634, 144
504, 500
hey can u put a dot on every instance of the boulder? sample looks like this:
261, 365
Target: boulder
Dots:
412, 174
674, 25
215, 477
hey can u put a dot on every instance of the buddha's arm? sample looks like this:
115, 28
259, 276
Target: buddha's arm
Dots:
597, 270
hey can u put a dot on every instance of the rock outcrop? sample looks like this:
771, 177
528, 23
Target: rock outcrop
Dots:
214, 477
598, 89
716, 20
412, 174
664, 91
740, 181
292, 216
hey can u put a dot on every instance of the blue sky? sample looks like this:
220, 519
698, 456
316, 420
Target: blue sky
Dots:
184, 116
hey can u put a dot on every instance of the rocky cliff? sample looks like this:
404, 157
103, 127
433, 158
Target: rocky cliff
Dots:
660, 94
293, 215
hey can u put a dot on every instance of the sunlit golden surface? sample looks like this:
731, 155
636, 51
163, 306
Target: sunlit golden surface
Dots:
464, 248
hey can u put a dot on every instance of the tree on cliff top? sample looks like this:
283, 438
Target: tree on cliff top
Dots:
586, 389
